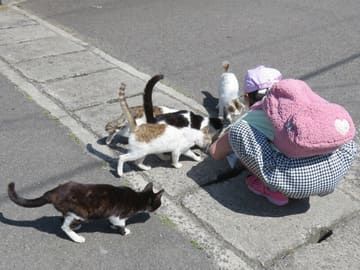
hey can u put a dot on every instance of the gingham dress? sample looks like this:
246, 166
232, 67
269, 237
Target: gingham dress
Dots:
295, 177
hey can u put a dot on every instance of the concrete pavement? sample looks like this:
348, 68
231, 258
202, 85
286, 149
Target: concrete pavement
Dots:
77, 83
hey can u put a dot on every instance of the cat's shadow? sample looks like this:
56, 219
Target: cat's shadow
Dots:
210, 102
151, 160
52, 224
117, 139
231, 191
112, 162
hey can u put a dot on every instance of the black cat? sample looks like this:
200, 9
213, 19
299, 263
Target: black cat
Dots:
82, 202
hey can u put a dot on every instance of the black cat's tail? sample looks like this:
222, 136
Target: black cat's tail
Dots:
148, 105
25, 202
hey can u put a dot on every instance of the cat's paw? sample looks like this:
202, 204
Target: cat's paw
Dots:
78, 238
127, 231
177, 165
198, 158
124, 230
144, 167
120, 170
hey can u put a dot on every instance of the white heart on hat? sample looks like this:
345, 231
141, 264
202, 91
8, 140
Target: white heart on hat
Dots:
342, 126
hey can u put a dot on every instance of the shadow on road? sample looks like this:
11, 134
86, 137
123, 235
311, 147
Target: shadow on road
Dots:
229, 189
329, 67
52, 224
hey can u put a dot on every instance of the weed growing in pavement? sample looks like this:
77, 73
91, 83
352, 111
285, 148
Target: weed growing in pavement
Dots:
196, 245
74, 138
167, 221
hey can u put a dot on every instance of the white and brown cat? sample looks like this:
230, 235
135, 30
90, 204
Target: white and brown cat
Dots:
173, 132
82, 202
120, 126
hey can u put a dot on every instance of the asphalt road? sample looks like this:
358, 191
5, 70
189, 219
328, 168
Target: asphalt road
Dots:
318, 41
38, 153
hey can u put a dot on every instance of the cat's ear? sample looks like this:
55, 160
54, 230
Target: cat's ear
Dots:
159, 194
148, 187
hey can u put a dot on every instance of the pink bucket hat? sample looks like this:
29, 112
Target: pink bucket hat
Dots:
304, 123
260, 77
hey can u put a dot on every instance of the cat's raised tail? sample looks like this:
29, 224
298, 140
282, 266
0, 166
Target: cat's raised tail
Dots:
25, 202
125, 108
148, 105
226, 65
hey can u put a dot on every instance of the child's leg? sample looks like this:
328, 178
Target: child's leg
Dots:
220, 148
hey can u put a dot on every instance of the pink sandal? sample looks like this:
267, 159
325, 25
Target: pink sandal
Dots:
259, 188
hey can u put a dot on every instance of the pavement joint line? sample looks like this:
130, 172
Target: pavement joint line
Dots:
19, 26
21, 41
115, 100
79, 75
85, 107
48, 25
65, 77
46, 56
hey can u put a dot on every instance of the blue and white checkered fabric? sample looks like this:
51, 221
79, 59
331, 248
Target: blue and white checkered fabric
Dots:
294, 177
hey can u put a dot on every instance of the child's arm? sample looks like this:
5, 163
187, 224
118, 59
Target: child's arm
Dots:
221, 147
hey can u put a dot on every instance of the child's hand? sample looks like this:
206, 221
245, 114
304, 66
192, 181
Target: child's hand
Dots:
221, 147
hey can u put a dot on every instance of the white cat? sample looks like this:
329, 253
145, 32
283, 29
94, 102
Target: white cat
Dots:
229, 105
162, 137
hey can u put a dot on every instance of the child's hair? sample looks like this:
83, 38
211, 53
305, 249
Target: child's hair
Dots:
258, 80
255, 96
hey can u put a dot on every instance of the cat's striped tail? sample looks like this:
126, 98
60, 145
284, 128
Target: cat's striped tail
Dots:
226, 65
25, 202
125, 107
